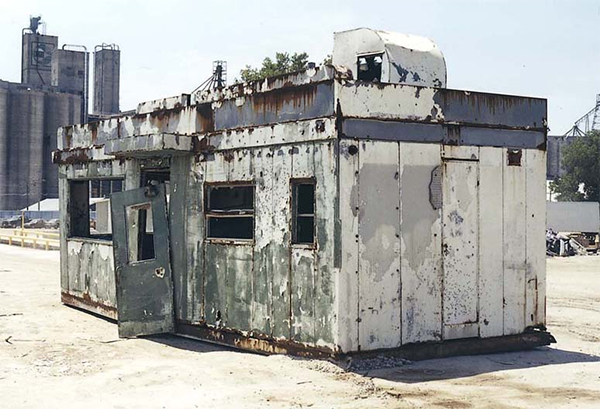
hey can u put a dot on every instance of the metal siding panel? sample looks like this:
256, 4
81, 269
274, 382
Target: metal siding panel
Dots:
194, 241
281, 133
262, 165
177, 223
239, 165
64, 222
326, 275
491, 109
460, 248
379, 246
303, 295
457, 134
238, 286
283, 105
501, 137
393, 131
279, 241
215, 291
491, 274
303, 261
420, 227
386, 101
514, 209
216, 168
536, 227
347, 291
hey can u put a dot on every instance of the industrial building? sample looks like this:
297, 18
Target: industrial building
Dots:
361, 206
53, 92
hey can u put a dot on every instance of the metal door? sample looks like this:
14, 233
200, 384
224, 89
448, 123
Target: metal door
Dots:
460, 238
142, 264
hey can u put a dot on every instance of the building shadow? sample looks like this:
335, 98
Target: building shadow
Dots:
188, 344
466, 366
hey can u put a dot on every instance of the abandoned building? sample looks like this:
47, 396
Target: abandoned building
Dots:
354, 207
53, 92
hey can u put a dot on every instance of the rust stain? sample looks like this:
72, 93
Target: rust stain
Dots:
85, 302
93, 126
69, 135
274, 101
201, 144
228, 156
205, 117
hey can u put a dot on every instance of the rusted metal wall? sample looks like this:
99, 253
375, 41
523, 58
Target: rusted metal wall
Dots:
267, 287
438, 242
87, 266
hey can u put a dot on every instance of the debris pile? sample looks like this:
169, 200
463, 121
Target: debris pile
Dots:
378, 362
566, 244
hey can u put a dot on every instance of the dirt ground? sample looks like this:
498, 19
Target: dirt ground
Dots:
54, 356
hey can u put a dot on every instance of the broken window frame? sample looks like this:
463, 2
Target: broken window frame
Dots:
295, 183
371, 64
210, 214
140, 245
77, 228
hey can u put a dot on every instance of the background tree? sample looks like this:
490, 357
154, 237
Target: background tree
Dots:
284, 63
581, 162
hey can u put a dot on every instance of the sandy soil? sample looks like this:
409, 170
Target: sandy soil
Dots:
53, 356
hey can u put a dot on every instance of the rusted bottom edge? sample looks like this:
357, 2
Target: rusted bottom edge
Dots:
267, 346
86, 303
531, 338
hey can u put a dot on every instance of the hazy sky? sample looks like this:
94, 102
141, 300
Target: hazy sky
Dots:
542, 48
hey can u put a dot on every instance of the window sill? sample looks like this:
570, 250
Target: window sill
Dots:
90, 240
304, 246
234, 242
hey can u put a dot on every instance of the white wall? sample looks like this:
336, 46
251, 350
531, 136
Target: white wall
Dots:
416, 268
573, 216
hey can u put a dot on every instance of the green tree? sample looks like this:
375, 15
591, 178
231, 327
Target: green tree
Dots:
284, 63
581, 162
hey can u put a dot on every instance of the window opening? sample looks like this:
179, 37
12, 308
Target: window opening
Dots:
303, 212
514, 157
140, 233
369, 67
158, 176
229, 212
89, 207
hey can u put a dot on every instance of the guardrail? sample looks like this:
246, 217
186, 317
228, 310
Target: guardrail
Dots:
22, 238
40, 234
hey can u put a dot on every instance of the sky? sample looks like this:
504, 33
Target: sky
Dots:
540, 48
